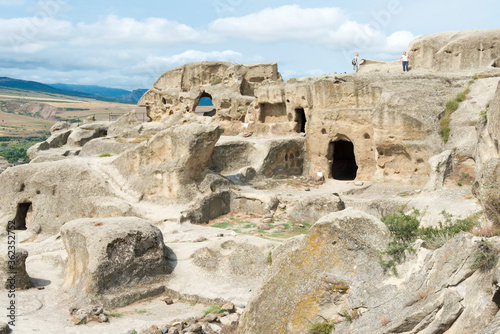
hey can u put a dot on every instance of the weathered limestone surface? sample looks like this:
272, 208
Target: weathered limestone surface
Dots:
65, 140
270, 157
4, 164
229, 85
392, 133
109, 255
456, 50
312, 208
486, 188
126, 126
434, 290
17, 265
347, 243
99, 146
441, 167
171, 163
55, 193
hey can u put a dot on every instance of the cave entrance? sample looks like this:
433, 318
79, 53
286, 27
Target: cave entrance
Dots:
204, 105
300, 118
343, 162
23, 214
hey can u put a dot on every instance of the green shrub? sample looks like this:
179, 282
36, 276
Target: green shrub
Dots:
485, 257
105, 154
405, 229
322, 327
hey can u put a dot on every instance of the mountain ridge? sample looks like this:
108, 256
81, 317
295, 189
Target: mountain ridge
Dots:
88, 91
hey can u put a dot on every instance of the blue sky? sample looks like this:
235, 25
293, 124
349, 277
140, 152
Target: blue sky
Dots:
128, 44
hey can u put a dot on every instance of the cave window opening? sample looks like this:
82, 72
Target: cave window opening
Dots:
496, 298
23, 213
204, 106
343, 162
300, 118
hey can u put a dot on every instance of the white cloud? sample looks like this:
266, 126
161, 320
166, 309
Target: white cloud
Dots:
32, 34
155, 63
284, 23
329, 26
151, 32
399, 41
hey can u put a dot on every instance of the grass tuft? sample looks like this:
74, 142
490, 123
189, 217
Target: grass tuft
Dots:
322, 327
485, 257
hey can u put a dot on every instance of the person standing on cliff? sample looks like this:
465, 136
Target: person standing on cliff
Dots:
405, 59
355, 63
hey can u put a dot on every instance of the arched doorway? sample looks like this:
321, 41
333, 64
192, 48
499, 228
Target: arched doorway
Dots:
300, 118
343, 162
204, 105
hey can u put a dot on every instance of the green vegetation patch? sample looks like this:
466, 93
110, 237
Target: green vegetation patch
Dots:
405, 229
213, 308
15, 148
322, 327
451, 106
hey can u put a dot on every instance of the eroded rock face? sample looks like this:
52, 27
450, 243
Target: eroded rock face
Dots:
487, 189
310, 282
230, 86
16, 264
312, 208
126, 126
44, 196
108, 255
171, 163
66, 140
365, 127
456, 50
104, 146
299, 283
235, 258
4, 164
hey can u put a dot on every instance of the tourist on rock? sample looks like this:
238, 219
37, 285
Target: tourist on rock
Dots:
405, 59
355, 63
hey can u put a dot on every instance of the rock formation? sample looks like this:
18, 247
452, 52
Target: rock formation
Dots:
113, 255
4, 164
364, 118
172, 163
42, 197
435, 291
456, 50
13, 275
230, 86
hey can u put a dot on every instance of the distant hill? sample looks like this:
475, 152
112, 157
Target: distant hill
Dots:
115, 94
29, 85
95, 92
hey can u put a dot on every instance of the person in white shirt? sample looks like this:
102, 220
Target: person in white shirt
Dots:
355, 64
405, 59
